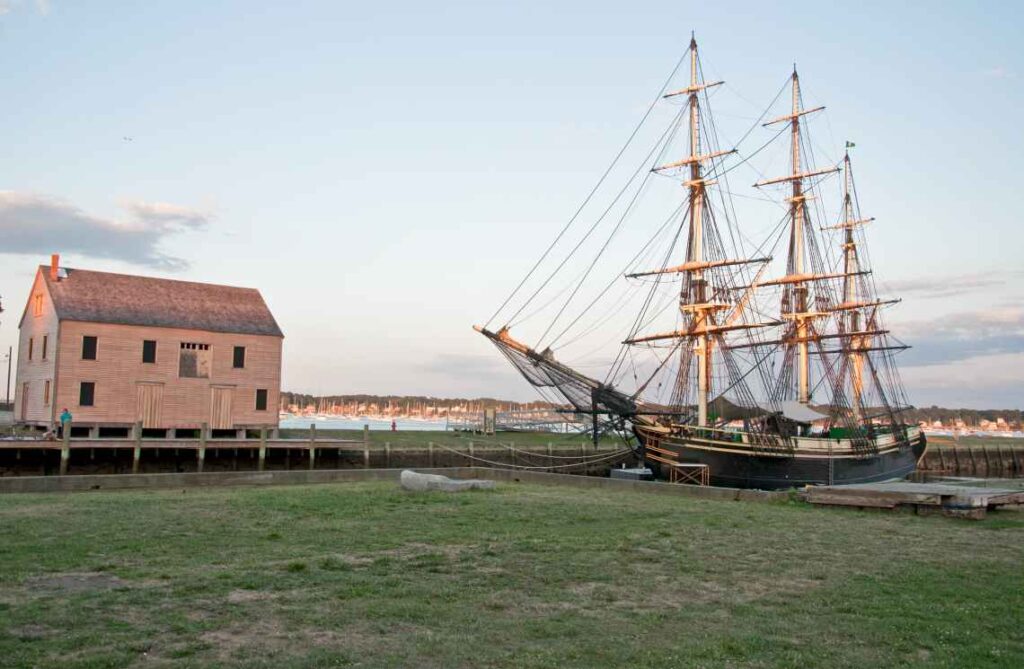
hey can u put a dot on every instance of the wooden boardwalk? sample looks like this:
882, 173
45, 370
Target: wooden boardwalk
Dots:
923, 498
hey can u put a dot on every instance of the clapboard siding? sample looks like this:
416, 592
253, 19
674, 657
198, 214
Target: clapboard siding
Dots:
118, 369
38, 371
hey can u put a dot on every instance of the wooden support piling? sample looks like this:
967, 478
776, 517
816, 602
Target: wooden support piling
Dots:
312, 444
65, 449
137, 451
201, 451
366, 446
263, 449
430, 452
387, 455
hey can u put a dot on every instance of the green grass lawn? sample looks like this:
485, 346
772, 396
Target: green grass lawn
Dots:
365, 575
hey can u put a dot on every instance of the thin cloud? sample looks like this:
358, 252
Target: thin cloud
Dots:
40, 224
999, 72
42, 7
951, 286
963, 336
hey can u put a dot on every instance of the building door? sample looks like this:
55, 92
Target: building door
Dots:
24, 401
220, 408
149, 405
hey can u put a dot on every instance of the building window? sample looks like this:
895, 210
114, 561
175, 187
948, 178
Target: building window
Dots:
37, 305
149, 350
194, 361
239, 359
86, 394
46, 340
88, 347
31, 347
46, 393
261, 399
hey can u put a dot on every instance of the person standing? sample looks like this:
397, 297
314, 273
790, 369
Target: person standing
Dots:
65, 419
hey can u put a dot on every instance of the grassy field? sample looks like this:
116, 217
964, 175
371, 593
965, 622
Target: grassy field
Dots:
364, 575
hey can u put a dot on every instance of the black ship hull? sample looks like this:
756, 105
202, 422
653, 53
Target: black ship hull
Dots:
737, 466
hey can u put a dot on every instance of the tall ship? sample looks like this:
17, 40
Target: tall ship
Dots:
742, 332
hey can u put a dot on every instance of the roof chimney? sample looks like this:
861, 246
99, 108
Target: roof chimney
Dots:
54, 266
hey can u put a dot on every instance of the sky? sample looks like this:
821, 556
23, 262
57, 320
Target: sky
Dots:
385, 173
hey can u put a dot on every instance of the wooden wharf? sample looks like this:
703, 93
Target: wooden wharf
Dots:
949, 499
990, 460
110, 455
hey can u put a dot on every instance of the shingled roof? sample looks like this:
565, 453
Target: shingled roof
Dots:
103, 297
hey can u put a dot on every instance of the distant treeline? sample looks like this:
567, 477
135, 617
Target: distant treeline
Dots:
303, 400
970, 417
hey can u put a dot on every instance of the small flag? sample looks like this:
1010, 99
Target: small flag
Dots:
850, 144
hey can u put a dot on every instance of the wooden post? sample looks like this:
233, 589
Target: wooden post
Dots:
65, 449
430, 452
366, 446
472, 461
988, 465
974, 463
387, 455
263, 449
137, 451
551, 460
201, 453
312, 444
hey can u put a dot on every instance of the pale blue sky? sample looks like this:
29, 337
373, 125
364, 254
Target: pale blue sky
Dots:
386, 172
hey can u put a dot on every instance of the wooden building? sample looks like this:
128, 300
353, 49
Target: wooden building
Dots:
116, 349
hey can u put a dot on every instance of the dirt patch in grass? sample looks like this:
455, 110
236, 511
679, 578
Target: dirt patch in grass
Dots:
75, 582
246, 596
30, 632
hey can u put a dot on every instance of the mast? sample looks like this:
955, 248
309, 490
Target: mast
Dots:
850, 267
699, 301
796, 213
798, 278
696, 252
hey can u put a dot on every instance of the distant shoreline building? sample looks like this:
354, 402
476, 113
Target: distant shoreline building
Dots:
118, 349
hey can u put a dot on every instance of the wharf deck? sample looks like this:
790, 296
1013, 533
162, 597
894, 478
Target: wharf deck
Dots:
963, 501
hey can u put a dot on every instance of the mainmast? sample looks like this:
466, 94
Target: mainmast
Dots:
798, 278
699, 302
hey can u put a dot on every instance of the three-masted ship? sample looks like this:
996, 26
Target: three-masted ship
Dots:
778, 369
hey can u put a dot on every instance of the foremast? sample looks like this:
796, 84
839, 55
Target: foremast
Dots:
706, 310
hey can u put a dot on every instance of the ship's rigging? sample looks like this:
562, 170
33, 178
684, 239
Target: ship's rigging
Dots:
744, 340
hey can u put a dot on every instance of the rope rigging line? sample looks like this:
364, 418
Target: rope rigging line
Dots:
594, 190
582, 462
597, 222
